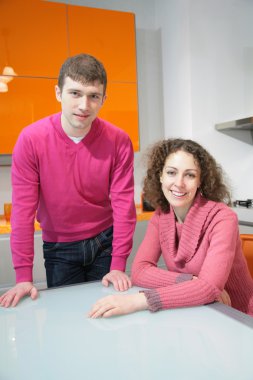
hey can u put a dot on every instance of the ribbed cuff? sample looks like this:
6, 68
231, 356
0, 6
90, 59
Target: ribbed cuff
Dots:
153, 300
24, 274
118, 263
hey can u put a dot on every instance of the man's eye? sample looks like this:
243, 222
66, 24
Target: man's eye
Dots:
96, 97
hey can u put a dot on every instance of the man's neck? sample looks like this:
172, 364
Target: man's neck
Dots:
74, 132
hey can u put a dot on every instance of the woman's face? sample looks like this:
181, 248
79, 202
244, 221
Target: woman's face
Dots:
180, 181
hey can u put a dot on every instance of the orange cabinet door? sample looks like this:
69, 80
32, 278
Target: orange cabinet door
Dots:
28, 100
108, 35
33, 37
121, 109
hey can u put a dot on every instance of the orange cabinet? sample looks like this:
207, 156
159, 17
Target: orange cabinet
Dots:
33, 37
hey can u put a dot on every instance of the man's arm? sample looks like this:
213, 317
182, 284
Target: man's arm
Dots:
124, 214
25, 194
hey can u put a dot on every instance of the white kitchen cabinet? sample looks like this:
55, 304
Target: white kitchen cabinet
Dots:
7, 273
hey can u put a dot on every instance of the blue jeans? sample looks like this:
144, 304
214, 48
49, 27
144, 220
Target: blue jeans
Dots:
79, 261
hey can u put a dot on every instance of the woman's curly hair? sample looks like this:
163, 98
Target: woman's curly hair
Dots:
212, 181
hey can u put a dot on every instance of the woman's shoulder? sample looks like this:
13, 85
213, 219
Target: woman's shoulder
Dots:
226, 210
223, 212
210, 207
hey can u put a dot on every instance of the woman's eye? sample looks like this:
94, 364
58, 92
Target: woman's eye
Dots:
170, 173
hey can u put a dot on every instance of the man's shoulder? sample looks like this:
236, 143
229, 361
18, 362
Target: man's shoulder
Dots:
112, 130
41, 126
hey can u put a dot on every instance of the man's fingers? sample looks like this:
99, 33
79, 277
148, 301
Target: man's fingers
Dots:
105, 282
34, 293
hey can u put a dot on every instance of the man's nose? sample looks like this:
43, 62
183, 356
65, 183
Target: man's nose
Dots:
83, 104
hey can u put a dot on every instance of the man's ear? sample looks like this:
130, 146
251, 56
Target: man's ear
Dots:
104, 99
58, 93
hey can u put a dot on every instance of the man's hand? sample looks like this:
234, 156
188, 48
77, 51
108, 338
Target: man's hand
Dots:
14, 295
119, 279
118, 304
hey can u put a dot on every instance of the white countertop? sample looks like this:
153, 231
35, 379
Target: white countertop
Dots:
52, 338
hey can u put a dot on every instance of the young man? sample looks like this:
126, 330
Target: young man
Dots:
76, 172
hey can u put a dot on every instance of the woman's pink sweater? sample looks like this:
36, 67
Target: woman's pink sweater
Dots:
206, 245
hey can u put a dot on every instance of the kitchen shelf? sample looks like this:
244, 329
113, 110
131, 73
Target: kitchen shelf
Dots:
241, 129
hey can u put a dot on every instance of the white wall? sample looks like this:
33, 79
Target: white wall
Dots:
207, 58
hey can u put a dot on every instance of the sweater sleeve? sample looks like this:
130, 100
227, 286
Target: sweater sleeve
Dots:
123, 206
25, 185
212, 276
144, 269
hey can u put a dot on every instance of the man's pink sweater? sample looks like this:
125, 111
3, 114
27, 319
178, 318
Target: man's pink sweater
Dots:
207, 245
78, 190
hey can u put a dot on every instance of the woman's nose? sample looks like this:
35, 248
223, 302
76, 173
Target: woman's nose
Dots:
179, 181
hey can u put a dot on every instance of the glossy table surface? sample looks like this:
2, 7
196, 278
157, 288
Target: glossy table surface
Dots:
51, 338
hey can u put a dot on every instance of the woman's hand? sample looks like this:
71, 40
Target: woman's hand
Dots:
118, 304
224, 298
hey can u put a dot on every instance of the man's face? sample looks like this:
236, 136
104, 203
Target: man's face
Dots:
80, 105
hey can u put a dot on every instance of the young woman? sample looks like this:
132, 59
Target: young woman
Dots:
194, 230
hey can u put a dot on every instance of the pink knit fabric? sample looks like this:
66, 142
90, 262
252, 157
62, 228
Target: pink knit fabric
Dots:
78, 190
209, 248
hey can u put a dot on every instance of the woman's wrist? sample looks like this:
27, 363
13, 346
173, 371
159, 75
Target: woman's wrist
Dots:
140, 301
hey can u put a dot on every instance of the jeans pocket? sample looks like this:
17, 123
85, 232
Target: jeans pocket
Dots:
49, 247
106, 235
